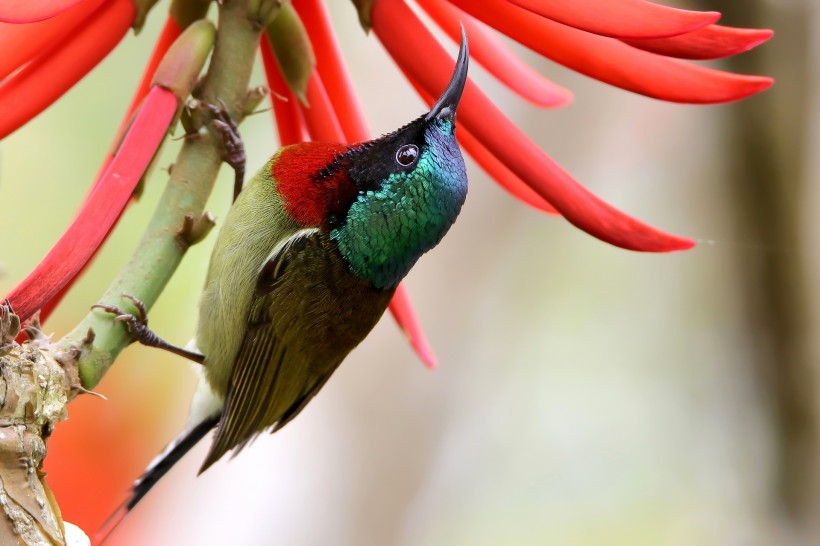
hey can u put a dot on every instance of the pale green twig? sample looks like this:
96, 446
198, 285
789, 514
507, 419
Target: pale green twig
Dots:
160, 250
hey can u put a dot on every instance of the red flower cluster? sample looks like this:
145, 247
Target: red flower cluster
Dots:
632, 44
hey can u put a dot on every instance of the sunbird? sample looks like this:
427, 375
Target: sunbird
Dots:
304, 266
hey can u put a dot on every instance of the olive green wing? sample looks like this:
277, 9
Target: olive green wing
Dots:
307, 314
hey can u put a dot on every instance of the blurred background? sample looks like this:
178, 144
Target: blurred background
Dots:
585, 395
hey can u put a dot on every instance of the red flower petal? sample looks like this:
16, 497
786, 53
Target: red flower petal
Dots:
493, 55
613, 61
331, 68
406, 318
101, 209
428, 64
712, 42
320, 118
286, 114
620, 18
22, 43
31, 11
501, 174
45, 79
170, 32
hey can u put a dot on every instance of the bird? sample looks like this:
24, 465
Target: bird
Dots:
306, 262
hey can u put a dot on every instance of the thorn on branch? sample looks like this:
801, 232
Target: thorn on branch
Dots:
89, 338
74, 353
277, 96
253, 98
186, 118
83, 390
9, 325
194, 231
34, 331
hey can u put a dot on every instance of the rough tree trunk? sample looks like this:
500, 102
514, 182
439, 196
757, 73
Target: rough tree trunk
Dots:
34, 391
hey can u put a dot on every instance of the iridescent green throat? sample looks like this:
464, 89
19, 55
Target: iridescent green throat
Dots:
389, 228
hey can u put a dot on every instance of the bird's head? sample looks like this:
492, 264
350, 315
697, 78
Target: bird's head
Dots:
385, 201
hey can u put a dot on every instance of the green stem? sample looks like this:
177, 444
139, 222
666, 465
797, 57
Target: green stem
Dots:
159, 252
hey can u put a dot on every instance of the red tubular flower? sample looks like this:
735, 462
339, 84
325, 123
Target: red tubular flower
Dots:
319, 116
500, 173
182, 15
20, 43
489, 52
428, 64
289, 123
405, 316
32, 11
109, 196
620, 18
101, 209
169, 34
331, 67
619, 42
55, 71
712, 42
611, 60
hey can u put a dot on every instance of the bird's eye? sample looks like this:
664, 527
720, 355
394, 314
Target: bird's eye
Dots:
407, 154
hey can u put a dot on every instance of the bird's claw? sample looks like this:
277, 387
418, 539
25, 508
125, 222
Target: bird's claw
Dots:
137, 324
138, 327
234, 156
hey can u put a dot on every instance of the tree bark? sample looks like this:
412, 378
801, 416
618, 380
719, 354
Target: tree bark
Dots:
34, 391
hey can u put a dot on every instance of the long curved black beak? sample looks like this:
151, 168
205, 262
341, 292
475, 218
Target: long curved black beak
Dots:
445, 106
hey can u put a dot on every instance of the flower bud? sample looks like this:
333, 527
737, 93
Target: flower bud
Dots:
293, 50
180, 68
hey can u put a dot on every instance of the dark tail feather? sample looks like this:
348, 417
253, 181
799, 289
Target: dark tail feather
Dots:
173, 453
155, 471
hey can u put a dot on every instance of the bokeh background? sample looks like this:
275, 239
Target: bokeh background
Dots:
586, 395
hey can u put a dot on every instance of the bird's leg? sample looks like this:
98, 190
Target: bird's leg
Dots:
138, 326
232, 141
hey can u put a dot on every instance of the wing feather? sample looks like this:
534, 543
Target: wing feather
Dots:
306, 315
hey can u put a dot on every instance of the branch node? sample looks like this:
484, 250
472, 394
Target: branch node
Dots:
194, 231
186, 118
253, 98
262, 13
88, 340
33, 396
9, 325
33, 330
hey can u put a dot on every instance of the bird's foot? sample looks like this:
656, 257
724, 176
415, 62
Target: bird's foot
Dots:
140, 332
231, 140
137, 324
